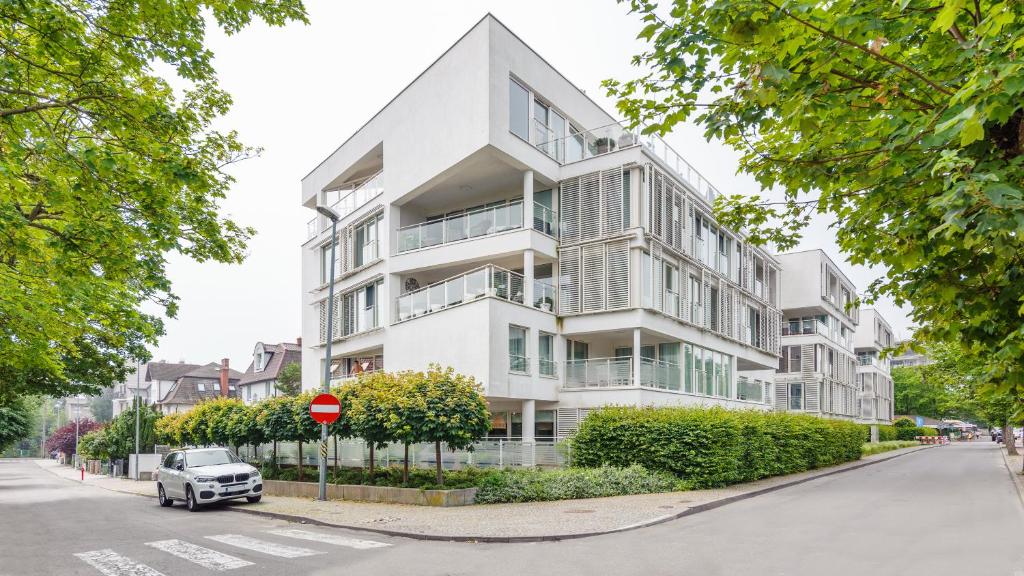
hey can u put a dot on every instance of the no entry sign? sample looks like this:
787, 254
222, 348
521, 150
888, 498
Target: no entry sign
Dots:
325, 409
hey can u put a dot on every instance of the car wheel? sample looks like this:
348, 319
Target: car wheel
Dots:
164, 500
190, 500
253, 499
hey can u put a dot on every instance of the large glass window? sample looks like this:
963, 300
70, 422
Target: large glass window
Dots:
366, 241
546, 354
517, 361
796, 396
669, 353
687, 368
544, 424
518, 110
671, 283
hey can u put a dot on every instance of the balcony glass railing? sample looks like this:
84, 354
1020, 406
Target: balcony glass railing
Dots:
485, 281
348, 203
519, 364
545, 220
544, 295
598, 372
659, 374
548, 367
482, 222
606, 139
750, 390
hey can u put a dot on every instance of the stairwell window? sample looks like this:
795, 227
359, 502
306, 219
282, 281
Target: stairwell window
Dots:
518, 110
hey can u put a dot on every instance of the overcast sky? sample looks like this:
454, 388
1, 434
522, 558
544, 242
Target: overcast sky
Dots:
300, 91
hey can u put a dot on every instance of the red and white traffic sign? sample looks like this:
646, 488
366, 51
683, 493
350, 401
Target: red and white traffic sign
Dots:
325, 408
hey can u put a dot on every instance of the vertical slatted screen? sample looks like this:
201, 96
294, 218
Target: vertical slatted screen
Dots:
618, 274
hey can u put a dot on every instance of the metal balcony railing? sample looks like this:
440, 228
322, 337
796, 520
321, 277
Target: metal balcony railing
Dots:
349, 203
482, 222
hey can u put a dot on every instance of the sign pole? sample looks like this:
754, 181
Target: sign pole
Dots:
326, 386
324, 409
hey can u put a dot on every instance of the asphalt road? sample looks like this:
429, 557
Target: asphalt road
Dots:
946, 510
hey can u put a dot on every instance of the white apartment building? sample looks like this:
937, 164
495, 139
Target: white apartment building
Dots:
873, 335
496, 220
817, 371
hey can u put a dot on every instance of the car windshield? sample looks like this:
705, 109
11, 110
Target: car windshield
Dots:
210, 458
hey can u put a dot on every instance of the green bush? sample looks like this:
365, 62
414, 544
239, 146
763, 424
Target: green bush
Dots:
877, 447
712, 446
391, 476
926, 431
532, 485
906, 429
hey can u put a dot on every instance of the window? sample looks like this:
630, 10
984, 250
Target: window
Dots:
546, 354
518, 110
366, 236
544, 424
201, 387
625, 199
647, 287
688, 368
671, 283
325, 263
517, 360
576, 350
796, 396
696, 314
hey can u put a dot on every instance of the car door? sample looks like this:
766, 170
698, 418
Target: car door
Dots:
174, 486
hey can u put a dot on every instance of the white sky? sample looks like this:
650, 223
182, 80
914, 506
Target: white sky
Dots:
300, 91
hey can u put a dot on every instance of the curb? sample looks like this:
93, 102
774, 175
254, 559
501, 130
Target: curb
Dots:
556, 537
1015, 477
559, 537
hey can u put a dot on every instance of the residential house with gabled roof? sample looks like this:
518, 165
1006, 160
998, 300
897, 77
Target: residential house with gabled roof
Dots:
201, 383
260, 380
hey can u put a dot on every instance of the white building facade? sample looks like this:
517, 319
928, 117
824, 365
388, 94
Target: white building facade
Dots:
874, 378
817, 370
496, 220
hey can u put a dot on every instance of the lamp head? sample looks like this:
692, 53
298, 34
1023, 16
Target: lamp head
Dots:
329, 213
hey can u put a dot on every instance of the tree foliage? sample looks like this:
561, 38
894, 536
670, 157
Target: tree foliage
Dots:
103, 170
63, 439
16, 422
903, 121
289, 380
119, 438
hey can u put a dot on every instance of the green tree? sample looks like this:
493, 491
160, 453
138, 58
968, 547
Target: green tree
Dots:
406, 419
917, 395
304, 428
450, 408
289, 380
16, 421
902, 121
120, 433
169, 429
104, 170
372, 405
276, 421
244, 428
102, 406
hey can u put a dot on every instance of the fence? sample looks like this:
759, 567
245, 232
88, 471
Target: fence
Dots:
356, 454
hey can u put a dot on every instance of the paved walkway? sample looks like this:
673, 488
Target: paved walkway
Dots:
565, 518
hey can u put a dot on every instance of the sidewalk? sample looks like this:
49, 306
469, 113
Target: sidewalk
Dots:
1013, 466
502, 522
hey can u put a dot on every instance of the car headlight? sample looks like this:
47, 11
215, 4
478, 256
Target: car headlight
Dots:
202, 479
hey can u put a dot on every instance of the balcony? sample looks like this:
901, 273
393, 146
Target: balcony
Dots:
606, 139
475, 224
599, 373
348, 203
486, 281
749, 390
545, 220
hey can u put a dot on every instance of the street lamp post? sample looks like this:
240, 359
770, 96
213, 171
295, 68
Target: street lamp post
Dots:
138, 368
78, 417
333, 216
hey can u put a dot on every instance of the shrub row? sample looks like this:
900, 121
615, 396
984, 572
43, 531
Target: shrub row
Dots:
875, 448
532, 485
422, 478
708, 447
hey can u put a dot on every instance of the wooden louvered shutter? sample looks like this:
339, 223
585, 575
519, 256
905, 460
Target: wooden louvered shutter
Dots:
611, 191
569, 280
569, 210
618, 274
323, 321
590, 206
593, 277
781, 395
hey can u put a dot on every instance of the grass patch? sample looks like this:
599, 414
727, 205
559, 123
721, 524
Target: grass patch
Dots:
868, 449
532, 485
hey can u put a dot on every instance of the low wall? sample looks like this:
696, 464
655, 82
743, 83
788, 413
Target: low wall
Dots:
385, 494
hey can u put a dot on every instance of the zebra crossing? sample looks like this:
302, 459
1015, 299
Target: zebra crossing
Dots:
110, 562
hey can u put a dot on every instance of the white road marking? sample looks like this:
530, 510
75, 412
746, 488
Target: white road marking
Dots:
111, 563
263, 546
328, 539
203, 556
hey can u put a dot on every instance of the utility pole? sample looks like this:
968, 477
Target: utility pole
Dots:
334, 217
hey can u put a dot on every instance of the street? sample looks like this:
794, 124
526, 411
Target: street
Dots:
943, 510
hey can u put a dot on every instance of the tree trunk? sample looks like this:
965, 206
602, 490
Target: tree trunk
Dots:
371, 462
274, 456
300, 460
405, 465
1009, 441
440, 468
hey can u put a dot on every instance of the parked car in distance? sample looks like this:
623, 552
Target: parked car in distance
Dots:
201, 476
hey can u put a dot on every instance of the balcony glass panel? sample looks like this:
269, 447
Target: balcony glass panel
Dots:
598, 372
545, 220
488, 280
473, 224
349, 202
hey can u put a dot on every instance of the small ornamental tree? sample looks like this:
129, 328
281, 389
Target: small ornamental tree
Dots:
63, 439
342, 427
95, 445
220, 413
304, 428
406, 419
373, 403
196, 425
168, 429
120, 433
454, 411
243, 428
275, 420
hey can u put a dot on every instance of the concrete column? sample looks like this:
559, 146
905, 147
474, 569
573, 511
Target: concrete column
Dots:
529, 425
528, 199
874, 432
528, 296
636, 356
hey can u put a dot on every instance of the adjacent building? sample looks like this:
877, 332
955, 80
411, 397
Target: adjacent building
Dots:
176, 386
259, 381
909, 357
497, 220
874, 380
817, 368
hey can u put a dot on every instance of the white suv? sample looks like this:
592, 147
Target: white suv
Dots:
204, 475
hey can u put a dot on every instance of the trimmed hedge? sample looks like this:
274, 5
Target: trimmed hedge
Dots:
886, 433
532, 485
708, 447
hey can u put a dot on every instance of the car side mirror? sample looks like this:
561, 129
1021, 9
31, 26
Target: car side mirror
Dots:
179, 466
